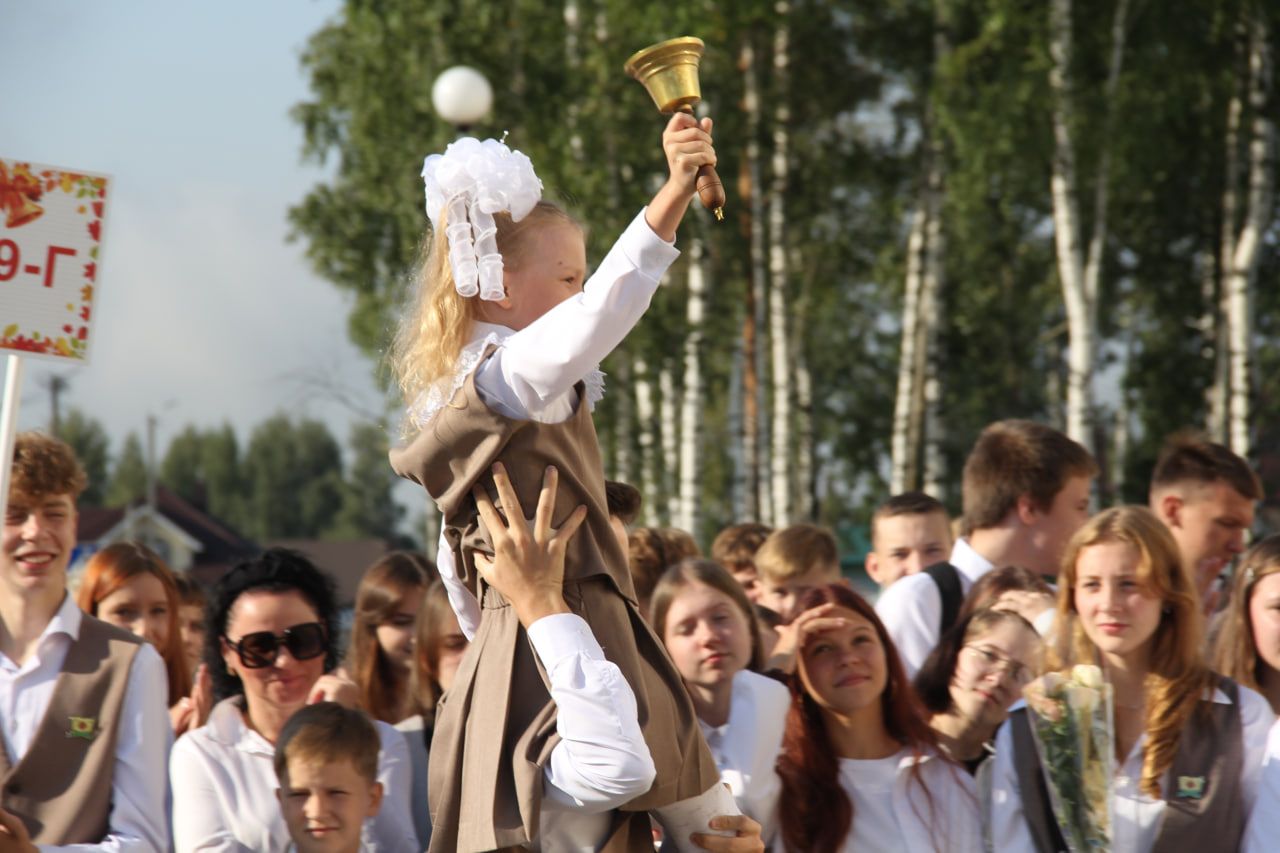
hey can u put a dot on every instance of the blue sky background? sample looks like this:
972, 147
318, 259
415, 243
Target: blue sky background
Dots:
204, 313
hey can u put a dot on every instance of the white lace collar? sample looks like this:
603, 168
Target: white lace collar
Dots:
433, 399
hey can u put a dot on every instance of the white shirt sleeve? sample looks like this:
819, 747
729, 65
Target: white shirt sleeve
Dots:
139, 790
1007, 824
911, 609
1256, 723
199, 822
542, 361
392, 829
464, 604
602, 760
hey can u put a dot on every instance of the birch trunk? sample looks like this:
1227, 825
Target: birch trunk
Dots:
1080, 274
669, 430
903, 451
804, 488
740, 492
1217, 305
935, 474
749, 190
778, 278
623, 465
691, 402
1247, 249
647, 423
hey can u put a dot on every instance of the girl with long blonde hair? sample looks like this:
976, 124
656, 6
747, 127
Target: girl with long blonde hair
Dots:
1248, 643
498, 363
1188, 742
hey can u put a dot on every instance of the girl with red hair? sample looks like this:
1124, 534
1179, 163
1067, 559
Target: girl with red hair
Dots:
860, 767
128, 585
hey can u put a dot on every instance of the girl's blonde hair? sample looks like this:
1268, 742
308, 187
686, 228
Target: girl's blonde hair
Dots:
438, 323
1236, 651
1177, 675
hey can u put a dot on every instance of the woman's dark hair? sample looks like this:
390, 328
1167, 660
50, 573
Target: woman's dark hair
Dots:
819, 813
275, 570
987, 589
933, 681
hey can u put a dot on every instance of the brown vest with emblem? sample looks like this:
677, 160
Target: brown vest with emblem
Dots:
61, 789
496, 726
1203, 806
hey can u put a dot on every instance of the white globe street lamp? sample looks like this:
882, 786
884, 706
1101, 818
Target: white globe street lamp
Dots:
462, 96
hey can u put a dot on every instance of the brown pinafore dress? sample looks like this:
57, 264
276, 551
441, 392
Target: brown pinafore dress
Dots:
496, 726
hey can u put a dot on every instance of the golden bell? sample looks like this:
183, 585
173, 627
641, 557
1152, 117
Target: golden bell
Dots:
669, 73
24, 214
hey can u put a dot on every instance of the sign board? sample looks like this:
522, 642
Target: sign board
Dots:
51, 222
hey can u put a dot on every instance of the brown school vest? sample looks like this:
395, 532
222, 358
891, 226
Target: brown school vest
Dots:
61, 789
1209, 762
495, 728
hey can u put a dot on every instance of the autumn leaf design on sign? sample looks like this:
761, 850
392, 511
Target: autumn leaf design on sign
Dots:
83, 727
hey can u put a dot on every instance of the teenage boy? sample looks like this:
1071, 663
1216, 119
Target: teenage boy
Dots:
82, 703
793, 561
909, 533
327, 764
735, 548
1025, 492
1205, 495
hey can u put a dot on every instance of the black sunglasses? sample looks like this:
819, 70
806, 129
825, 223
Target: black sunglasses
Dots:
261, 648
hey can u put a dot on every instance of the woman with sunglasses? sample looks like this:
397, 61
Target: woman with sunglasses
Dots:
272, 624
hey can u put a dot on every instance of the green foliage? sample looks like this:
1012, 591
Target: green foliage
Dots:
88, 439
129, 475
368, 508
293, 477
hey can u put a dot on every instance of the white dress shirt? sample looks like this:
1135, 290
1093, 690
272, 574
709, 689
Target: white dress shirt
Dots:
531, 374
602, 760
1264, 823
1135, 817
746, 747
137, 821
911, 608
891, 814
224, 789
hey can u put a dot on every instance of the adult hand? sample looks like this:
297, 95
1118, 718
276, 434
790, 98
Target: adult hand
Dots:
746, 837
528, 562
192, 712
335, 688
13, 835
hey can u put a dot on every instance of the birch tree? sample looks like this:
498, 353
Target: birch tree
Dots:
1244, 260
778, 279
1079, 272
691, 403
648, 423
903, 450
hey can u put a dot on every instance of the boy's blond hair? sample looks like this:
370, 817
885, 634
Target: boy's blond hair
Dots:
328, 733
797, 550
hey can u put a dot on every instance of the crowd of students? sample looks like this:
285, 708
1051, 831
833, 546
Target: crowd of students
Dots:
141, 712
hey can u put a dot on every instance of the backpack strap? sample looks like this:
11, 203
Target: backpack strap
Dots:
947, 578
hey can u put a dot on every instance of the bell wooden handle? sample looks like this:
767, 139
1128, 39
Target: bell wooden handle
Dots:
710, 190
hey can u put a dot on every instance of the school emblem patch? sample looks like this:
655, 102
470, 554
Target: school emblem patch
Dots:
1190, 787
83, 727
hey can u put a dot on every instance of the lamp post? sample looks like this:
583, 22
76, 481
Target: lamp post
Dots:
462, 96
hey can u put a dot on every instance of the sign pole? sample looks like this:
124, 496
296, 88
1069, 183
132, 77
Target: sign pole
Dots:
9, 424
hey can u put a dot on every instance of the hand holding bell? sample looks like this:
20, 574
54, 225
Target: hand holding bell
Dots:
669, 72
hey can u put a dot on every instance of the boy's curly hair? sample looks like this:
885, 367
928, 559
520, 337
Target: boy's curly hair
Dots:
44, 466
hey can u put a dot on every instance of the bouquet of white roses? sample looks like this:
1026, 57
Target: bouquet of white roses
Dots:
1071, 718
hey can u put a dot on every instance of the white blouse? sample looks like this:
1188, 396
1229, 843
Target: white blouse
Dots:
1264, 824
224, 790
746, 748
1135, 816
892, 814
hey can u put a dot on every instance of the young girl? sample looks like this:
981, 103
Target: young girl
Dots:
1188, 743
1248, 645
127, 584
860, 767
971, 678
380, 660
709, 628
437, 650
509, 378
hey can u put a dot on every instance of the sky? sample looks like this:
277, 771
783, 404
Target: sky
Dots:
204, 311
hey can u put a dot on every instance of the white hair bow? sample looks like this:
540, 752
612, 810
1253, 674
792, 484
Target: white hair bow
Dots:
472, 180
